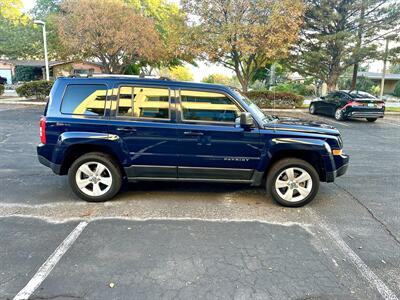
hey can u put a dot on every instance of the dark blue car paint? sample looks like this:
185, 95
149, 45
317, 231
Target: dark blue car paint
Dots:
177, 150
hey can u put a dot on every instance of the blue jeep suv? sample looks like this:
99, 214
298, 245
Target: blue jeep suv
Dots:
102, 131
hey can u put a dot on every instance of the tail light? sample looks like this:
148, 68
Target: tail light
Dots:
381, 104
355, 103
42, 130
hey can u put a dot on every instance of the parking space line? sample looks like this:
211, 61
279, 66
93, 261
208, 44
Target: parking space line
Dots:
50, 263
390, 123
361, 266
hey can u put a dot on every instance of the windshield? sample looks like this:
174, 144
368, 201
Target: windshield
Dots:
258, 111
358, 94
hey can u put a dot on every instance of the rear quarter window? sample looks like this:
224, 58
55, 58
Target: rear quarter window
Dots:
84, 99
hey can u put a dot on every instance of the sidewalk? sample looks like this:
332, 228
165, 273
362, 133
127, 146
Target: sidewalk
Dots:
21, 101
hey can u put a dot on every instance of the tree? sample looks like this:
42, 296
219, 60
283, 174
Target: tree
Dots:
19, 40
18, 37
44, 8
374, 16
177, 73
217, 78
339, 34
170, 22
394, 69
244, 35
110, 31
12, 10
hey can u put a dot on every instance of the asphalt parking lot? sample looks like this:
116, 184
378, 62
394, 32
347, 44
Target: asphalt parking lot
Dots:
200, 241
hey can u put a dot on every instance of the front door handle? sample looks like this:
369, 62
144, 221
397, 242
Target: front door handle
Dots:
126, 129
195, 133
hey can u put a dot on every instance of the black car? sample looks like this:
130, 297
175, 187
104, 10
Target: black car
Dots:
349, 104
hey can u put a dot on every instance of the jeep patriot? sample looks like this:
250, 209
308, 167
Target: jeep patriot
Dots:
102, 131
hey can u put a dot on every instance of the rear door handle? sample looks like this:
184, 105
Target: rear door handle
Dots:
196, 133
126, 129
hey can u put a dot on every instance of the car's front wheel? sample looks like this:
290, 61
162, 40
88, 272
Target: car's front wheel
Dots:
292, 182
95, 177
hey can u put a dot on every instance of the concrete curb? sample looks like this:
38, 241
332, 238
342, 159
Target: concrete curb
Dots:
23, 102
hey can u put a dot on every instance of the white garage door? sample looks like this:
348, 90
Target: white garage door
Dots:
7, 74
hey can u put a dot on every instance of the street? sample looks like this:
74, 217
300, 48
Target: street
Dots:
197, 240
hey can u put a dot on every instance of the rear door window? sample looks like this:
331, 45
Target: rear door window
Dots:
84, 99
143, 102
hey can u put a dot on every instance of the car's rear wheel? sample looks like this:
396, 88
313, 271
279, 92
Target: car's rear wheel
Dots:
371, 119
95, 177
312, 109
292, 182
339, 114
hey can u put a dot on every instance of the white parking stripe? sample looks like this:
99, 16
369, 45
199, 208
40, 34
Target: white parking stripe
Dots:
365, 271
50, 263
390, 123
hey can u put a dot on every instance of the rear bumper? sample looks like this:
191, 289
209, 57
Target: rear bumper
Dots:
364, 113
54, 167
342, 163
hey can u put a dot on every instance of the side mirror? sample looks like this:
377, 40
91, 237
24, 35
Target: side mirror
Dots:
246, 120
322, 97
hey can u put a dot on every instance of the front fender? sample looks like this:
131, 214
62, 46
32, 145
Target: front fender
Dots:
318, 147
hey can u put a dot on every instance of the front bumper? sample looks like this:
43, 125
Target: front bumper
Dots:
342, 163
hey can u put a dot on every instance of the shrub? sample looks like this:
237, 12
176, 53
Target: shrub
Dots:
26, 73
296, 88
271, 99
396, 91
39, 89
1, 89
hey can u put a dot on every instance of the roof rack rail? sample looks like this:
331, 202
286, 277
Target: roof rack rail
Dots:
98, 75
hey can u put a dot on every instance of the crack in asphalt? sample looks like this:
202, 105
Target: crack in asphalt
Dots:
371, 213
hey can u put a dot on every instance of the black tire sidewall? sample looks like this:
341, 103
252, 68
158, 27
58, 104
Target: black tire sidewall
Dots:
372, 119
106, 160
341, 115
312, 111
281, 165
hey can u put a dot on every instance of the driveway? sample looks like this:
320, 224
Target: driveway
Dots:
200, 241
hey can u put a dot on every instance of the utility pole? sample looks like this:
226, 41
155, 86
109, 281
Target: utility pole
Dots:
358, 45
46, 61
388, 38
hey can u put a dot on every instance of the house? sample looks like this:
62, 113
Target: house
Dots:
391, 80
56, 68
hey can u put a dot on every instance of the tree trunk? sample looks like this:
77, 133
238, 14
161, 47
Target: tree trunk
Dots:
332, 81
358, 46
354, 79
245, 85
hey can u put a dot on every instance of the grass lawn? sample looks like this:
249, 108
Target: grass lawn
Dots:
393, 109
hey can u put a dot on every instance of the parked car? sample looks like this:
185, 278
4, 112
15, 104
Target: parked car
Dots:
349, 104
103, 131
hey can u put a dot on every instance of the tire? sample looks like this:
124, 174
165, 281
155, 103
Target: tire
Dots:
339, 115
88, 184
312, 109
372, 119
277, 176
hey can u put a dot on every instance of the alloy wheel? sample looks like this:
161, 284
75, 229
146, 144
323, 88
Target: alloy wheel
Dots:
93, 178
293, 184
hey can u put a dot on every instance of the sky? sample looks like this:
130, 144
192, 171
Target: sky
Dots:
204, 69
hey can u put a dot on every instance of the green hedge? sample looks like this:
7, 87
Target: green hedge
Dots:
397, 90
271, 99
39, 89
1, 89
